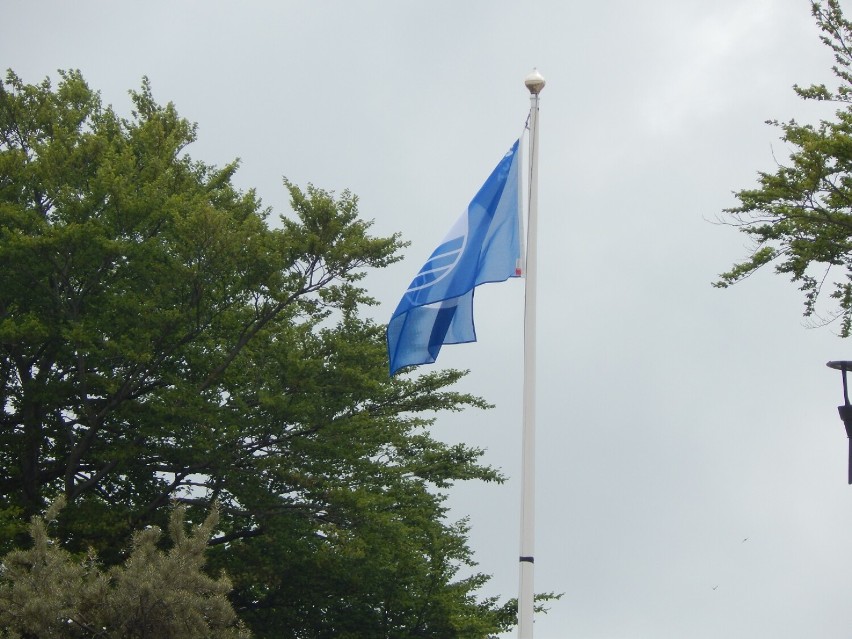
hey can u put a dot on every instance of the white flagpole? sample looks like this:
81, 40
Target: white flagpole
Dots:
534, 83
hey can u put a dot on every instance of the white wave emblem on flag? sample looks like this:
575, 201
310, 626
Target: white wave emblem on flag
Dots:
443, 259
439, 265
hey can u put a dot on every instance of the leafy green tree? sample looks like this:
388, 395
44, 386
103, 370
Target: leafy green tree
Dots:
800, 216
45, 592
160, 341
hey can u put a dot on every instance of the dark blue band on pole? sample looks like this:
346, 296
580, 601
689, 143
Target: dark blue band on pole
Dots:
529, 559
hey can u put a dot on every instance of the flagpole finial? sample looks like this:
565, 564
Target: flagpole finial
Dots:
534, 82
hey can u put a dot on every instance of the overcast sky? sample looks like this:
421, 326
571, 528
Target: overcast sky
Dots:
691, 463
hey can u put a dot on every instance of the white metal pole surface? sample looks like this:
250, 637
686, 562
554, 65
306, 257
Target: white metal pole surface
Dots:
535, 83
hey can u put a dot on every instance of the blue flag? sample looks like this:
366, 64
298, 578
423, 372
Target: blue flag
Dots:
483, 246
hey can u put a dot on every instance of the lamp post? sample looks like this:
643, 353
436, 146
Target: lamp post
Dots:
846, 409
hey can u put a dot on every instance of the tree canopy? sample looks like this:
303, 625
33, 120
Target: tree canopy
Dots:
161, 342
800, 216
44, 592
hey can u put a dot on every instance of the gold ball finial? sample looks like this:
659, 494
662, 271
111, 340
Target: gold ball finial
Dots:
534, 82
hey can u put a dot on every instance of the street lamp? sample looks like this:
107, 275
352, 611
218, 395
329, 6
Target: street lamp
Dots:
846, 409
